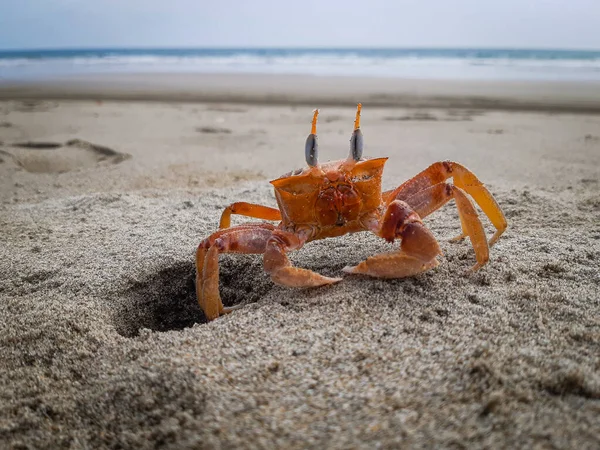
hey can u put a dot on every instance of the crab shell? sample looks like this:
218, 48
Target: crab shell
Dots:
330, 198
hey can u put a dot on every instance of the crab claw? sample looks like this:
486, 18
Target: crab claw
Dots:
392, 265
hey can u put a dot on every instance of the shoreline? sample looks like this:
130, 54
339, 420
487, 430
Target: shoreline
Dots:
555, 96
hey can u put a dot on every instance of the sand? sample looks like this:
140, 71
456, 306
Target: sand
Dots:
307, 90
102, 344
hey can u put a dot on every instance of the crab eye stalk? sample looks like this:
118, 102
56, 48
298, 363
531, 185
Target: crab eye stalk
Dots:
311, 148
356, 140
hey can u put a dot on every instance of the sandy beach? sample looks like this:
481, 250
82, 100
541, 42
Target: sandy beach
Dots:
108, 184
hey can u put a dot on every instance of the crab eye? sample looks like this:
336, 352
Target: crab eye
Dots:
356, 140
356, 145
311, 148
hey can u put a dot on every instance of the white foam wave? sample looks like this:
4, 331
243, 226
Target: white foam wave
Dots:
312, 63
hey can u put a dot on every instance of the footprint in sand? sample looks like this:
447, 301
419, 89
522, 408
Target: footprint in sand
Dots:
213, 130
230, 109
37, 145
34, 106
54, 157
418, 116
451, 116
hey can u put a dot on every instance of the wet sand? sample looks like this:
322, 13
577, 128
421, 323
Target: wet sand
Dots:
565, 96
102, 205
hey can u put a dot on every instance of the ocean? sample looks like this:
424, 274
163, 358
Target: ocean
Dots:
492, 64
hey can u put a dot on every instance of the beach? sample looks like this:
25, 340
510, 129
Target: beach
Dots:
108, 184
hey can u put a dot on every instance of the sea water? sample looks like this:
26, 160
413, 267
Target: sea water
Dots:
424, 63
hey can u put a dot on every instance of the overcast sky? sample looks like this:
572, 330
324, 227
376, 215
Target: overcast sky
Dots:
299, 23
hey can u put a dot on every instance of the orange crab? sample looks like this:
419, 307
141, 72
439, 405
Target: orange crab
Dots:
339, 197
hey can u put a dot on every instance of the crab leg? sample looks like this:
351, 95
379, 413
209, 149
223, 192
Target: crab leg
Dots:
249, 238
280, 268
418, 249
464, 179
249, 210
428, 200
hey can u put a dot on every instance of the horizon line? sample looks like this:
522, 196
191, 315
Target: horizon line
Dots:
294, 47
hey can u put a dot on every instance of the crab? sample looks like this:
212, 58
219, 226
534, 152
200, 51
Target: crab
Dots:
345, 196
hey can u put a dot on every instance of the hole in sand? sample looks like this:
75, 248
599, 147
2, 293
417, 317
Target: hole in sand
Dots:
166, 300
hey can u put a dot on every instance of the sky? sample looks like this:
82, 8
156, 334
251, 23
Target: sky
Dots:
570, 24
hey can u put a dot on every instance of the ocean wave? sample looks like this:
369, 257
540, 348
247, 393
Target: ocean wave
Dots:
425, 63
